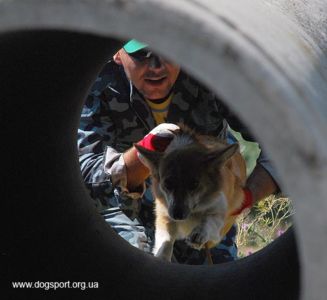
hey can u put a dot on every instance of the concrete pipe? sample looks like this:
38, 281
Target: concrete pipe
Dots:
267, 60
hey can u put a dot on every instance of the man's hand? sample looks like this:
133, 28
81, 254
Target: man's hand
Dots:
159, 138
156, 140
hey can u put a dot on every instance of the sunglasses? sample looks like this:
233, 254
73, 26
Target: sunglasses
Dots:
142, 55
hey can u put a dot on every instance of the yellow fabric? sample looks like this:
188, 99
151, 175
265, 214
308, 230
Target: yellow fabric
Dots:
160, 110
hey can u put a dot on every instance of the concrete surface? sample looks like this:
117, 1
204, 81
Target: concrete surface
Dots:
267, 59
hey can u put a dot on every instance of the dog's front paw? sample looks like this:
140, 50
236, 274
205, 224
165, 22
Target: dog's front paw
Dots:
198, 237
164, 251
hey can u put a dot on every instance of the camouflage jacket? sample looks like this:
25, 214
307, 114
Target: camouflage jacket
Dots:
115, 116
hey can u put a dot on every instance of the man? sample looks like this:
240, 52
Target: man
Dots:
138, 92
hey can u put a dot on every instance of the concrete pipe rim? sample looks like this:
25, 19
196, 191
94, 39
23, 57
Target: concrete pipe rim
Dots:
124, 19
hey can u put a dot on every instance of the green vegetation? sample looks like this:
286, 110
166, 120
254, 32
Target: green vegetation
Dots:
267, 220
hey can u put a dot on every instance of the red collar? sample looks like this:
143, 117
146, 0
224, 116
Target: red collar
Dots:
247, 202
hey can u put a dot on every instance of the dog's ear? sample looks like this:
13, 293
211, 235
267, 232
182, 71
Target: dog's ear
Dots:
150, 158
223, 154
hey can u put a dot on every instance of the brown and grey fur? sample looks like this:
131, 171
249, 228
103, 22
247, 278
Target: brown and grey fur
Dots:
197, 183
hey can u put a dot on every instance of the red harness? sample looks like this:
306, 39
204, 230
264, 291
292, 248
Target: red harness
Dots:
247, 202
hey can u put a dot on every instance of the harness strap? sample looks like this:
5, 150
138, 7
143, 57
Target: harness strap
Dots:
247, 202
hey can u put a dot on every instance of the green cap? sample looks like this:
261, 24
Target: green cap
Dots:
133, 46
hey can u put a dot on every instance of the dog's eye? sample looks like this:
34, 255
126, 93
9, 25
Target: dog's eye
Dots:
193, 184
169, 183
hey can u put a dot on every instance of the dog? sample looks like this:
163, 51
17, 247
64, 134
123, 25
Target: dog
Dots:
197, 183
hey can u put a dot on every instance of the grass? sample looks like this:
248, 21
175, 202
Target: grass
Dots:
268, 219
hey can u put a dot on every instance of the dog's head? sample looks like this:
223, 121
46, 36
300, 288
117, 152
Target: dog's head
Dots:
188, 174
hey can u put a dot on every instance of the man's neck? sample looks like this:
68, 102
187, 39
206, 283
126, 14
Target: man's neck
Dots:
159, 101
155, 101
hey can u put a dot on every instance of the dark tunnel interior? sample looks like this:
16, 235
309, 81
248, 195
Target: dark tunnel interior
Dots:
54, 232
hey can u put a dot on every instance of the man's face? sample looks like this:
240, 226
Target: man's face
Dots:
154, 77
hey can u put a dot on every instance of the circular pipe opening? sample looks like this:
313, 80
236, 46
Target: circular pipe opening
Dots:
243, 58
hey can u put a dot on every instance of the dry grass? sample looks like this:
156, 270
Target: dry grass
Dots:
268, 219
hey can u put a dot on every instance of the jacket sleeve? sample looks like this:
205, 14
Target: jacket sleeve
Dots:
238, 126
95, 135
102, 166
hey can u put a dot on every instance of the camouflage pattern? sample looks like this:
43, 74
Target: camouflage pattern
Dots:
114, 117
